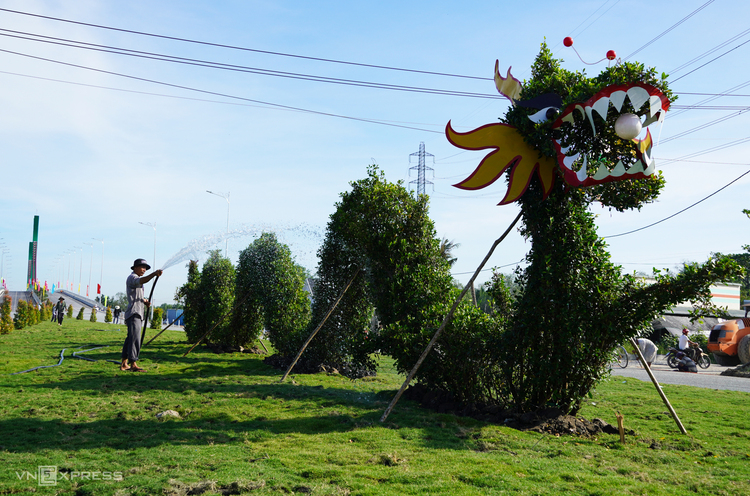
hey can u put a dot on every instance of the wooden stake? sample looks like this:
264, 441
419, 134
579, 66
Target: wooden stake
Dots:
445, 321
658, 387
231, 310
621, 427
261, 343
170, 325
330, 311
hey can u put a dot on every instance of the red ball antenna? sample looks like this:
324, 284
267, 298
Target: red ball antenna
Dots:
568, 42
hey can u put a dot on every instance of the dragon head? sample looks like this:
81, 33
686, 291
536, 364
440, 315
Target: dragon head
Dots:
564, 125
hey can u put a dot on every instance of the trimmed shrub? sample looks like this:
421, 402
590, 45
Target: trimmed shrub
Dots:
80, 314
217, 286
108, 315
6, 321
189, 295
92, 318
270, 289
157, 316
70, 312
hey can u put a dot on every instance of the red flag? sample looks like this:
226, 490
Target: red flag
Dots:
87, 291
98, 289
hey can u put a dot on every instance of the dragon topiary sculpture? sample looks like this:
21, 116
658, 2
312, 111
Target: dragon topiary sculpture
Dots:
567, 141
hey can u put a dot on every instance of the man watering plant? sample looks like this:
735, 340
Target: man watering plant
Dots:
135, 313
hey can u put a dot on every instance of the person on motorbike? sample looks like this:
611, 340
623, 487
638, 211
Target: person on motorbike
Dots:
686, 364
685, 344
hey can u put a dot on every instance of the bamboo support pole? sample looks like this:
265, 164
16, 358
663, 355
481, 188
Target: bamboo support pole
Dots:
447, 318
231, 310
658, 387
170, 325
312, 335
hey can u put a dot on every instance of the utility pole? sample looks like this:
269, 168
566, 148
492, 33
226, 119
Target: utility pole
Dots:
421, 181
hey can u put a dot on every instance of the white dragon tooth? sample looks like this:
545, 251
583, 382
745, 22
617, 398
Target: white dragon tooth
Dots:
568, 118
582, 173
654, 105
591, 119
638, 96
564, 149
619, 169
650, 169
601, 173
617, 98
636, 168
569, 161
601, 106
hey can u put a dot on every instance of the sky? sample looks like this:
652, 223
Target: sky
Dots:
100, 145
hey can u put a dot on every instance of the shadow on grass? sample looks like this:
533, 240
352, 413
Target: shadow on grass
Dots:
31, 435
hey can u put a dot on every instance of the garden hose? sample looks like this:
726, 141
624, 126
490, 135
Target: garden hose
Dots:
148, 310
62, 357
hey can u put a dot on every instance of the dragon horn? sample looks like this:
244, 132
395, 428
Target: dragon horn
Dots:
509, 86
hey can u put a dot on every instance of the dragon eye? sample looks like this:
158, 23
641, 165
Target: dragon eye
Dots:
544, 115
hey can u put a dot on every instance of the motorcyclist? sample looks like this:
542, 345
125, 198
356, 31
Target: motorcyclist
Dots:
685, 344
686, 364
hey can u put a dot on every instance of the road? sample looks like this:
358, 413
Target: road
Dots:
709, 378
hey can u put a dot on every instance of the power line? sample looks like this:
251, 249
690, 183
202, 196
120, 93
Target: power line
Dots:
245, 49
709, 52
485, 270
708, 107
672, 27
713, 59
239, 68
710, 150
704, 126
163, 95
681, 211
188, 88
708, 94
715, 96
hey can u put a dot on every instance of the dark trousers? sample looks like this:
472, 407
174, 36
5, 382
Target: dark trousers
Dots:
132, 347
60, 316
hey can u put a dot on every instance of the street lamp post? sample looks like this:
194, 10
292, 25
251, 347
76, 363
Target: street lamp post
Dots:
101, 273
150, 224
80, 270
91, 266
226, 248
70, 263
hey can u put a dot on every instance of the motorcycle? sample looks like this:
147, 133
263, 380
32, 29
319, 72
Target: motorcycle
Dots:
696, 354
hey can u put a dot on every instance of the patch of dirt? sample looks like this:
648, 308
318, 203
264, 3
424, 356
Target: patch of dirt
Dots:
313, 367
177, 488
741, 371
549, 420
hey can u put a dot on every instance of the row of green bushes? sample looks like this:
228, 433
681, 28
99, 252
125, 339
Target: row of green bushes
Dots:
265, 290
28, 315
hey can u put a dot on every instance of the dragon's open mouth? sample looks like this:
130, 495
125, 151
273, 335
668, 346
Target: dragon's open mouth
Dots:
575, 164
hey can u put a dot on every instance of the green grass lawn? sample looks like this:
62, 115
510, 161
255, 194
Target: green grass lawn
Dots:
241, 430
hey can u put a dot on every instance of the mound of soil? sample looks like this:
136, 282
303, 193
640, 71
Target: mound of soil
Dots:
313, 367
549, 420
741, 371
